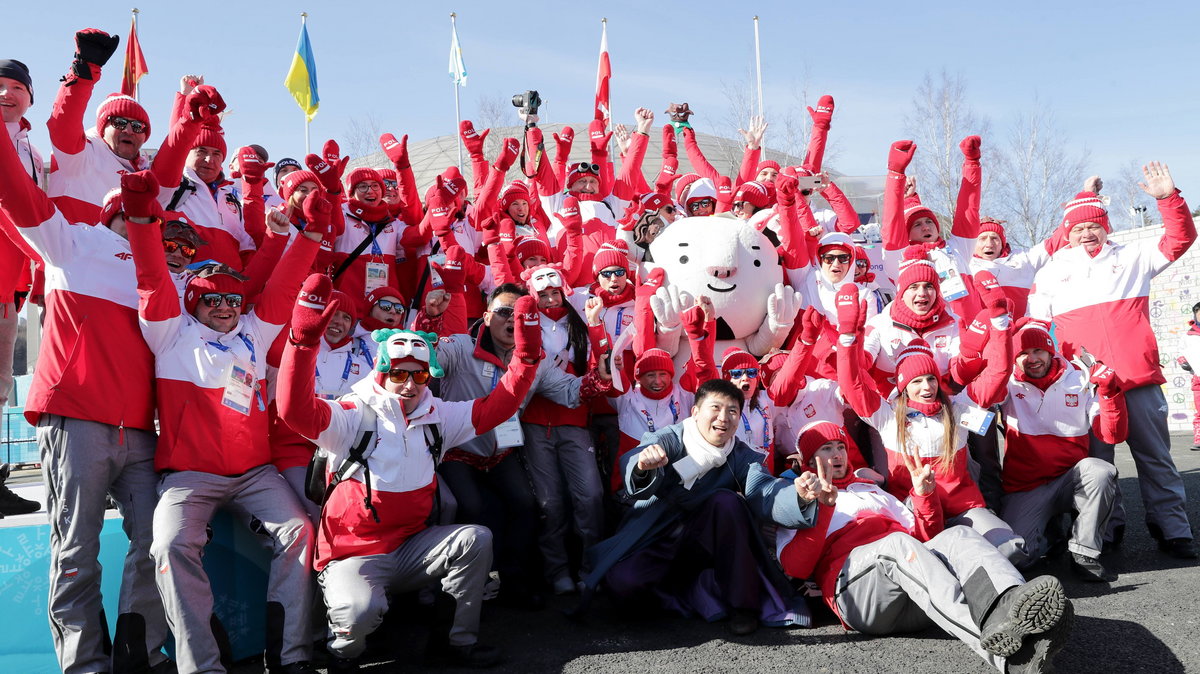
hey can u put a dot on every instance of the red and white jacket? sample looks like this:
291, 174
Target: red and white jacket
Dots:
83, 168
886, 338
193, 362
1015, 273
15, 254
1047, 429
216, 214
402, 479
1102, 303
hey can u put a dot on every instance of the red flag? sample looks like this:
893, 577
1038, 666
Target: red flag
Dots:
135, 63
603, 72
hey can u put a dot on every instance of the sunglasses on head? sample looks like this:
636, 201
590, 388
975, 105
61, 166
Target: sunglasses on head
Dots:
586, 167
504, 312
119, 123
390, 306
183, 248
842, 258
738, 373
231, 300
400, 376
609, 273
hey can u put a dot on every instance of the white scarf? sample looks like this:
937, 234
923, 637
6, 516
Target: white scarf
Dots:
701, 456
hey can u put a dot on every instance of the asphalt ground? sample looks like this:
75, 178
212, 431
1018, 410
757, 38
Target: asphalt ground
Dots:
1145, 621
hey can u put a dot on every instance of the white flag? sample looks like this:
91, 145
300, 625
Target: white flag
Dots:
458, 70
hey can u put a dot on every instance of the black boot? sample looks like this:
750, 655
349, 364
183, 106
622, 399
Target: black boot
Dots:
10, 503
1090, 569
1021, 611
1037, 654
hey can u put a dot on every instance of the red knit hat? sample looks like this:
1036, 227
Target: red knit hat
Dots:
754, 192
212, 135
289, 183
768, 164
915, 268
1030, 333
997, 228
514, 192
611, 254
1085, 207
682, 183
361, 175
653, 360
378, 294
915, 360
735, 359
530, 246
815, 435
836, 241
120, 105
914, 210
111, 206
388, 174
860, 254
214, 283
348, 304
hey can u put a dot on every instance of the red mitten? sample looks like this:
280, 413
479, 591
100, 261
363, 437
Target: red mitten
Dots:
973, 339
251, 167
396, 150
452, 272
598, 138
693, 322
850, 315
900, 155
1105, 380
313, 311
441, 208
786, 189
139, 195
812, 324
824, 112
471, 140
970, 147
666, 177
332, 154
318, 214
656, 279
571, 219
992, 295
507, 233
724, 194
528, 335
491, 232
204, 103
563, 141
328, 175
509, 151
669, 147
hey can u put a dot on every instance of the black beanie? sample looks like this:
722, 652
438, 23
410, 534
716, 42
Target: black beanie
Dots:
15, 70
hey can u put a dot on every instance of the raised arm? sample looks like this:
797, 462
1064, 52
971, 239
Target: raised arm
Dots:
814, 156
696, 156
895, 234
966, 209
791, 378
1179, 230
753, 152
158, 306
852, 376
275, 304
503, 402
203, 105
627, 185
410, 198
298, 406
543, 177
991, 386
847, 217
93, 48
473, 141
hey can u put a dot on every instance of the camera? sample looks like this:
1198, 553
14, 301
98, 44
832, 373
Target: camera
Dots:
528, 102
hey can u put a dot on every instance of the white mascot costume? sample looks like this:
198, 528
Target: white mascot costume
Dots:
736, 266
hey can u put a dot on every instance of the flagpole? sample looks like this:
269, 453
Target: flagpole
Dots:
137, 88
303, 26
454, 83
758, 66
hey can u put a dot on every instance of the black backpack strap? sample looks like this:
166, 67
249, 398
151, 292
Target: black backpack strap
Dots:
417, 296
371, 234
355, 458
185, 186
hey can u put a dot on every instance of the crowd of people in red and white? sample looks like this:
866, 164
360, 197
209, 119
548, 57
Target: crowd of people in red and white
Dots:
681, 392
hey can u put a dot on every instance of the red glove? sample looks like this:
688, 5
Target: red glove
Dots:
786, 189
656, 279
318, 214
851, 314
598, 138
562, 143
452, 272
970, 147
313, 311
251, 167
139, 195
724, 194
824, 112
528, 335
812, 324
900, 155
396, 150
972, 340
509, 151
1105, 379
669, 147
471, 140
204, 103
571, 219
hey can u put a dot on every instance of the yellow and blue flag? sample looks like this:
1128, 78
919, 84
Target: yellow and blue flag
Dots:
301, 78
458, 70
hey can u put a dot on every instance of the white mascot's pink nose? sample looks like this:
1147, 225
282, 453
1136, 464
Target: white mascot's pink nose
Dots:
722, 272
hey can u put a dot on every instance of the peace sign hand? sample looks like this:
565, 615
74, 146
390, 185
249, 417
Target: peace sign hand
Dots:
921, 474
826, 492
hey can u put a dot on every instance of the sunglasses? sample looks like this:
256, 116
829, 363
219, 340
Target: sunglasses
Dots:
232, 300
184, 249
419, 377
586, 167
741, 205
862, 264
390, 184
504, 312
609, 273
668, 209
119, 123
706, 202
390, 306
738, 373
841, 258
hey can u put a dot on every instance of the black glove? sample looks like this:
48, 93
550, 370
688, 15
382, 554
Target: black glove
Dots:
95, 46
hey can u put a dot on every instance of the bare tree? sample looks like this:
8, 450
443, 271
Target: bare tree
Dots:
362, 136
939, 119
1035, 174
791, 128
1130, 206
491, 112
739, 98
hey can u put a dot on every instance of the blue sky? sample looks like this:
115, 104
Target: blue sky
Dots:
1122, 79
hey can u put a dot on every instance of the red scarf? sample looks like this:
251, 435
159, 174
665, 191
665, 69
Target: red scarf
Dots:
922, 323
657, 396
1195, 329
554, 313
1044, 382
928, 409
611, 300
367, 213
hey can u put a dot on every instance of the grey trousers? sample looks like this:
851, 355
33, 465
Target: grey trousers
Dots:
187, 501
898, 584
1088, 488
356, 589
1158, 478
561, 459
295, 477
997, 532
82, 461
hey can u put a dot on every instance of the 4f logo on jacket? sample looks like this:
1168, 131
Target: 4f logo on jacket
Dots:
124, 256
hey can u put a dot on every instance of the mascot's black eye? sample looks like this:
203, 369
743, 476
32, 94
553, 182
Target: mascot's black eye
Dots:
758, 263
683, 259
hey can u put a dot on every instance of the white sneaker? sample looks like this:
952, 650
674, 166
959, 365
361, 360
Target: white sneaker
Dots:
564, 585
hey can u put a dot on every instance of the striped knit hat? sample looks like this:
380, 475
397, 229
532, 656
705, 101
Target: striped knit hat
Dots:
915, 360
1085, 207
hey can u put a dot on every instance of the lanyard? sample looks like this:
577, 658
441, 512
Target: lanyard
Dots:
249, 346
746, 425
495, 376
674, 415
620, 315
